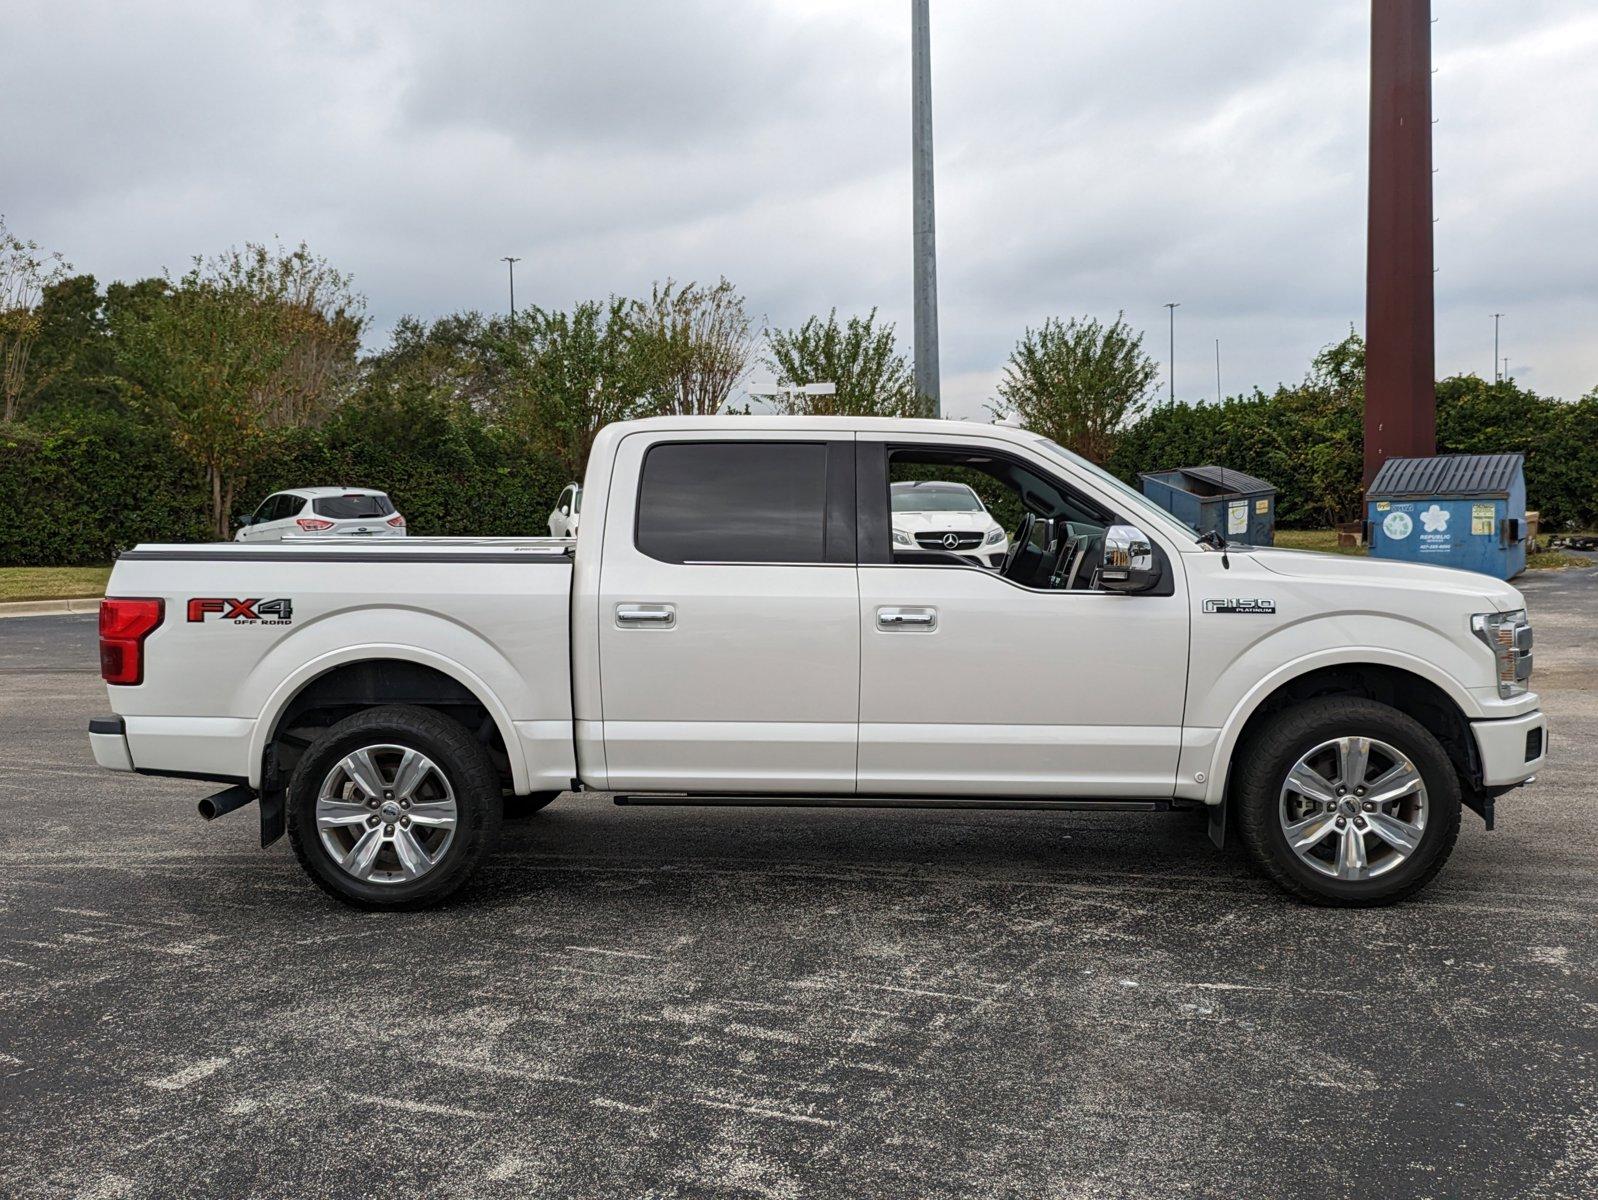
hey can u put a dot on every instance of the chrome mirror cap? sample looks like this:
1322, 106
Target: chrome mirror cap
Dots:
1130, 564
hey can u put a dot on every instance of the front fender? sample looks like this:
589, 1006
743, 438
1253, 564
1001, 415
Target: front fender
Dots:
1243, 682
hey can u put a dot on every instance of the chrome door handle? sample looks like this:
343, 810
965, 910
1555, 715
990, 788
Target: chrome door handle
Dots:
646, 616
923, 620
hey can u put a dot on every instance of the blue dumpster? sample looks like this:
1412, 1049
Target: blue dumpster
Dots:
1453, 510
1219, 500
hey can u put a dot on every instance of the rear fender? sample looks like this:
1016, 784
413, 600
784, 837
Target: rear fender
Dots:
293, 683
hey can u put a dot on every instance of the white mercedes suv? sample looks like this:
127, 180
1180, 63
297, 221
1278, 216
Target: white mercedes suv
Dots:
934, 515
322, 512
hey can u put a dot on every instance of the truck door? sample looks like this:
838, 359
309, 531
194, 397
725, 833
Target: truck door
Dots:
1021, 682
728, 613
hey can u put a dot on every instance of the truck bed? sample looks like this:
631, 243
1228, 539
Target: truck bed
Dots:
246, 627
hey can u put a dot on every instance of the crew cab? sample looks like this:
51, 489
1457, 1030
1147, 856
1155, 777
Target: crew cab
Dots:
735, 625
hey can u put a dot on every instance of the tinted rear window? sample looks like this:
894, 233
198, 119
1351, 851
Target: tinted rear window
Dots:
353, 508
734, 502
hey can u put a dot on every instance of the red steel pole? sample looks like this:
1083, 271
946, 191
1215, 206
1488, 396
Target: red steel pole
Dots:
1400, 351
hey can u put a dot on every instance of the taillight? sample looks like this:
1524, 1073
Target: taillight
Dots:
397, 521
311, 524
124, 624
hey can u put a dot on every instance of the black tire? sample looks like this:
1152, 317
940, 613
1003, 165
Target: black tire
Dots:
1261, 767
519, 808
458, 756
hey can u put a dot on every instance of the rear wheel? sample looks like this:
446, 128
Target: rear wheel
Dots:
1347, 802
393, 807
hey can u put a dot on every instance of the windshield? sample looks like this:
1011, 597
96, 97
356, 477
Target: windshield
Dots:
1144, 504
933, 498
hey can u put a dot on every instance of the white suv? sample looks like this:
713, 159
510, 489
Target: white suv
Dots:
946, 516
322, 512
568, 509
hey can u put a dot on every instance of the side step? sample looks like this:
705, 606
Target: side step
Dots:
713, 800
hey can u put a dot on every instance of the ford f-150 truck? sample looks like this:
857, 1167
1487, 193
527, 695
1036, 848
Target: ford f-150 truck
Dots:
734, 624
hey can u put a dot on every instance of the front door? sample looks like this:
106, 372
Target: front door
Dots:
728, 620
1027, 683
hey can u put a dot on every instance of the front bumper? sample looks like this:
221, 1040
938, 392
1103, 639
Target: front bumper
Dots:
108, 738
1512, 749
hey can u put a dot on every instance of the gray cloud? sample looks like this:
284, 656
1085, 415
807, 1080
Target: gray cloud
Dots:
1092, 157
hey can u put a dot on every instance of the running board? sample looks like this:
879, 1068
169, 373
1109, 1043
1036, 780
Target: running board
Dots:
758, 801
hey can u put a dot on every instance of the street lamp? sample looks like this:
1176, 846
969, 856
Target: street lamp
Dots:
1495, 346
1173, 306
510, 263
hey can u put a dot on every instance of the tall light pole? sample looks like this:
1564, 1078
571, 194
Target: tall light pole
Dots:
510, 264
1496, 376
1217, 370
926, 251
1172, 306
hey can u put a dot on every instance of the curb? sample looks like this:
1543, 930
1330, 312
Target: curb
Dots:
49, 608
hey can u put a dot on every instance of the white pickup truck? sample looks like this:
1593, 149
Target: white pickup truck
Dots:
734, 625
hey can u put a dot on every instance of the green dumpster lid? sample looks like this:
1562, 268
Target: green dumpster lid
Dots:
1446, 475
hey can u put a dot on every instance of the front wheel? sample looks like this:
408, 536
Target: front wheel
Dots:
393, 807
1347, 802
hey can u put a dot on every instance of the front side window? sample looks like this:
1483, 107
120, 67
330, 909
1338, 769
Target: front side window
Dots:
973, 507
742, 502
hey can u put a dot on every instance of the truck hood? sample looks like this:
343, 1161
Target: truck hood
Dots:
1311, 564
940, 522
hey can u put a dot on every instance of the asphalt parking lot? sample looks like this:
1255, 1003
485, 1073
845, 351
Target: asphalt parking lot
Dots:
785, 1003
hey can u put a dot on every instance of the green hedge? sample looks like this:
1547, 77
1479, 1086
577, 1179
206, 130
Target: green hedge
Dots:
80, 494
1309, 444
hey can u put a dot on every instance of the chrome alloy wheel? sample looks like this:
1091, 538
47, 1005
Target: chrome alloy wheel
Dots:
1353, 808
386, 814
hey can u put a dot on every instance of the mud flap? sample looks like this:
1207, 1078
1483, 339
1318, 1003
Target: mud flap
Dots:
1480, 803
1218, 824
273, 817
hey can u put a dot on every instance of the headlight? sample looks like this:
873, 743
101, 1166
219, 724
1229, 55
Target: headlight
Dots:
901, 538
995, 536
1508, 636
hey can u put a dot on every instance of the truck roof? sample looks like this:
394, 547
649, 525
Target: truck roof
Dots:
915, 426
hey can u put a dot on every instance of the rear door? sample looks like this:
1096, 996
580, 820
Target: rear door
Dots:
268, 526
728, 622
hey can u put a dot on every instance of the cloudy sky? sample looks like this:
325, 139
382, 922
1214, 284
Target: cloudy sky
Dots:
1092, 157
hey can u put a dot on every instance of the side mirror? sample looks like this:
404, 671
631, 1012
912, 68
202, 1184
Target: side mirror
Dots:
243, 521
1129, 562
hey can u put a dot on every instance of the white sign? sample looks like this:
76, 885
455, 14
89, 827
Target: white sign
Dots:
1237, 517
1397, 526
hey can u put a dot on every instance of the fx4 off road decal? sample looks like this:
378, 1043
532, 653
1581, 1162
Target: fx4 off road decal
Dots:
242, 612
1240, 606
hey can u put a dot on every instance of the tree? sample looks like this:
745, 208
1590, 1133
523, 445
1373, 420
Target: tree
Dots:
250, 341
567, 376
319, 318
696, 344
861, 358
200, 360
452, 359
25, 273
1077, 382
